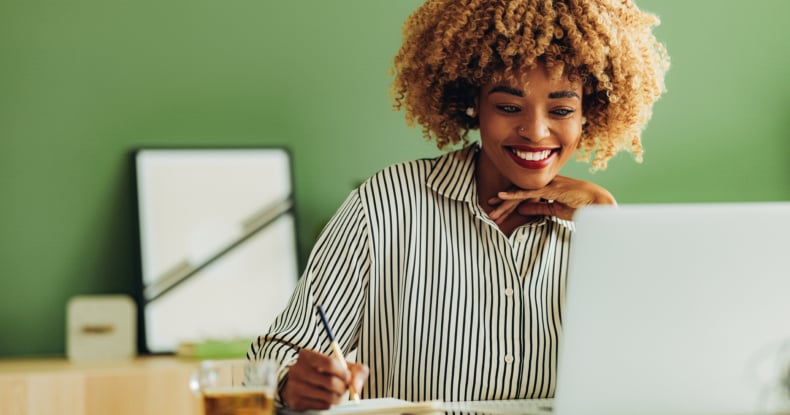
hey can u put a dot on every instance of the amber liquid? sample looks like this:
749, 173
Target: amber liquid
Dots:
243, 402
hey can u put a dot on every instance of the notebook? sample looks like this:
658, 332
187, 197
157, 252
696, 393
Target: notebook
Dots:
541, 406
379, 406
677, 309
392, 406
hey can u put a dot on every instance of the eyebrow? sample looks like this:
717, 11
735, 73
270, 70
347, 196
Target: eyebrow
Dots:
563, 94
507, 90
520, 93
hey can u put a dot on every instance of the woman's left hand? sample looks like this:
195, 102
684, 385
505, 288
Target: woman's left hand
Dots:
559, 198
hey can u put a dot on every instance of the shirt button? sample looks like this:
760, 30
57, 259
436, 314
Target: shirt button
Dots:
509, 358
509, 292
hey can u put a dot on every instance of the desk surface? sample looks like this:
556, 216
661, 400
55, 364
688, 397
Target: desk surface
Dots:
155, 383
61, 364
131, 386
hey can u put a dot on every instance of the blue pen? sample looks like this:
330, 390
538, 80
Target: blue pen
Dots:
336, 349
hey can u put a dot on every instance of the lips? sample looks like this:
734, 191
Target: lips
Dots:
532, 158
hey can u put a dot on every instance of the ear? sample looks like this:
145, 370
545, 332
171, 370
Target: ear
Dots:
473, 111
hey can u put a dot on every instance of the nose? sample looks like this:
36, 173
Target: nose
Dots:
533, 128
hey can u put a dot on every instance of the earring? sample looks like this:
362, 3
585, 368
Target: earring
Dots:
584, 120
470, 111
521, 130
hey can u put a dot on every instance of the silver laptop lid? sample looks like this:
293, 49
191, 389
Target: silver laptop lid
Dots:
677, 309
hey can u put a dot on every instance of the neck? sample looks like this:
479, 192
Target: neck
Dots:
489, 181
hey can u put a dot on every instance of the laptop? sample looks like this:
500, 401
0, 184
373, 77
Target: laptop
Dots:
677, 309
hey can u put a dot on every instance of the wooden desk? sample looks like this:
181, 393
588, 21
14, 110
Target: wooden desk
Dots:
147, 385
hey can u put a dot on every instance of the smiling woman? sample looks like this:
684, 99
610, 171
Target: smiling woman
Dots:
526, 135
411, 267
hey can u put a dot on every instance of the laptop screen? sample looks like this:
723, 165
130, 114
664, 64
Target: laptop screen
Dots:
676, 309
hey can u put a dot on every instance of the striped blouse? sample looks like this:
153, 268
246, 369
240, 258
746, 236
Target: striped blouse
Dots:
434, 298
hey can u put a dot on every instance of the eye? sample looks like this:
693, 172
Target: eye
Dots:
510, 109
563, 112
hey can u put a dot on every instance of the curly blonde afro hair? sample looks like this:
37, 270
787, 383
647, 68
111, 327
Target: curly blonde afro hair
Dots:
451, 48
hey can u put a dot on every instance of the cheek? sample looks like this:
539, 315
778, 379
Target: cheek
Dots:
572, 136
493, 131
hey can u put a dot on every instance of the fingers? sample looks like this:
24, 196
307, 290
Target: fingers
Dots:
574, 194
504, 210
359, 374
301, 397
568, 194
559, 210
315, 381
531, 195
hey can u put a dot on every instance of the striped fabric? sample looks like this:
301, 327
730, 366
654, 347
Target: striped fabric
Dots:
434, 298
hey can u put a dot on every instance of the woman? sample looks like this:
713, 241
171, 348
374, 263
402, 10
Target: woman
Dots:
446, 276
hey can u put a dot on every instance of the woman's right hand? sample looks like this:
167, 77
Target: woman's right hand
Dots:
317, 381
560, 198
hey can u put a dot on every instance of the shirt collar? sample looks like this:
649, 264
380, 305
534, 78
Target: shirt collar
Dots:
453, 174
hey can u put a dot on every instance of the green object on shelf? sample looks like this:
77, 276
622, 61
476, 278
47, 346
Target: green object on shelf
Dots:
216, 349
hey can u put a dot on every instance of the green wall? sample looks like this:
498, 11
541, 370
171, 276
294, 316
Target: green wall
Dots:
82, 83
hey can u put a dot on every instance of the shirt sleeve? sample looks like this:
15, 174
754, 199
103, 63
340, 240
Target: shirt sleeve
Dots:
336, 277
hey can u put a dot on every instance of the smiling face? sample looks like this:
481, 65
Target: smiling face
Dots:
528, 132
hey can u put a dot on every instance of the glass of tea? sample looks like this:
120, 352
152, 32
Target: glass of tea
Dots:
236, 387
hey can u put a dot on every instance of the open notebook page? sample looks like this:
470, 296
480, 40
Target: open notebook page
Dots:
378, 406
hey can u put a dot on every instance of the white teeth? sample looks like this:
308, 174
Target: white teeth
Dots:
532, 155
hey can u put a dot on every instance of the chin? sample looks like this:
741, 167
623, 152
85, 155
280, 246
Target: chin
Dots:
532, 184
